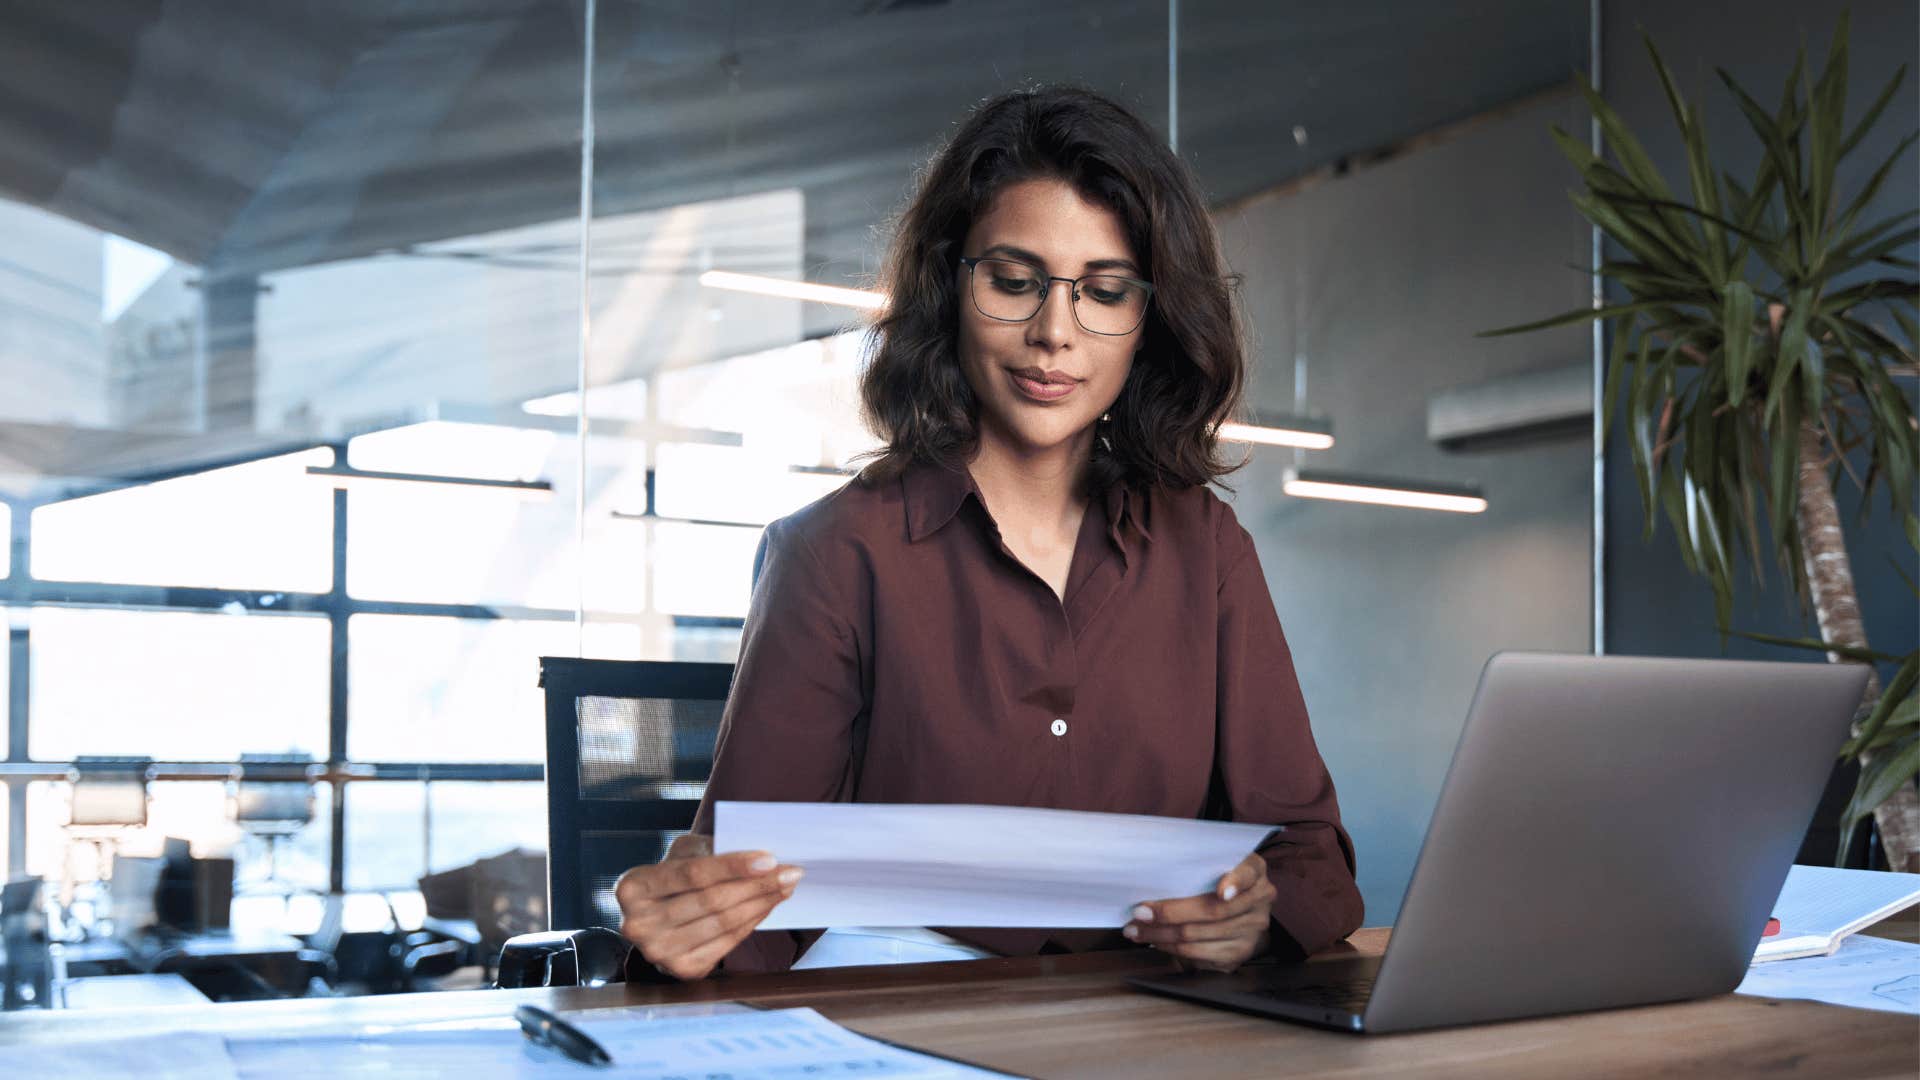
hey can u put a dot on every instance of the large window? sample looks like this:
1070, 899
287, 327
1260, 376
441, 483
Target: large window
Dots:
176, 685
262, 525
399, 832
436, 689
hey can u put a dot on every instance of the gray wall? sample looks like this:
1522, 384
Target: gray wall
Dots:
1653, 606
1382, 278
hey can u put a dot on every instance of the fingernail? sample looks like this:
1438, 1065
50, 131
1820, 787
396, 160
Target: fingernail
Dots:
790, 875
1143, 913
1229, 893
1132, 932
763, 864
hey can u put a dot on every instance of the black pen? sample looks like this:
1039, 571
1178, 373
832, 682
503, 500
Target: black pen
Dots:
549, 1030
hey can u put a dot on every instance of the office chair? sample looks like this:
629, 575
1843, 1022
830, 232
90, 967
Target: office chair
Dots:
272, 812
629, 747
109, 799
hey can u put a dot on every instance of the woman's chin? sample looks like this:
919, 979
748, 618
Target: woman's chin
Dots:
1028, 438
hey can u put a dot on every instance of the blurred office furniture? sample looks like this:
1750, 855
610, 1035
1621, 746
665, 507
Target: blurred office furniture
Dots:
271, 812
129, 992
195, 893
26, 964
248, 964
486, 903
133, 892
629, 747
109, 799
170, 919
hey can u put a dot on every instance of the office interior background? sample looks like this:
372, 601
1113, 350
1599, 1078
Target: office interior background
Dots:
471, 242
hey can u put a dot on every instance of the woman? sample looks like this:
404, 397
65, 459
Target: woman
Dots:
1031, 597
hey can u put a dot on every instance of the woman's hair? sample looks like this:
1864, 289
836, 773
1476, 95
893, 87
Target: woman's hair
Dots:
1188, 374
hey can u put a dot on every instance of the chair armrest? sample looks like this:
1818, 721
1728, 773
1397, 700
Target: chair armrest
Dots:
594, 956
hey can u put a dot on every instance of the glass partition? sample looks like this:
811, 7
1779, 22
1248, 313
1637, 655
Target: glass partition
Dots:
336, 400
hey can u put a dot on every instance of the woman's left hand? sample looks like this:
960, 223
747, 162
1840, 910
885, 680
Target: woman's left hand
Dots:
1216, 931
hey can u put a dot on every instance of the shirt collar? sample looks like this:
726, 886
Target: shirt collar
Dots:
935, 493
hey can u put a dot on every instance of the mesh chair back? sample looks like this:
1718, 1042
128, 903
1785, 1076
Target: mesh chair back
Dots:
629, 747
109, 793
273, 807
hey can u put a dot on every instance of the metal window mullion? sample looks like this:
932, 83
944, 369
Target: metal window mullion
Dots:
19, 671
338, 612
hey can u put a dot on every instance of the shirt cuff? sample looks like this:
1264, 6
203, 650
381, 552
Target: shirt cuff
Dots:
1316, 902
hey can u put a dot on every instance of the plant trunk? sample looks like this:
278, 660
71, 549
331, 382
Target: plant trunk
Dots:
1837, 606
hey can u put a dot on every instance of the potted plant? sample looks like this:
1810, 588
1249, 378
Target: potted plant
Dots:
1754, 366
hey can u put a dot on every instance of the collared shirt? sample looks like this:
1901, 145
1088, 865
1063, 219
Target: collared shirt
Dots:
897, 651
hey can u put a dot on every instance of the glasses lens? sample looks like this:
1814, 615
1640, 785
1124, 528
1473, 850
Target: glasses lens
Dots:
1007, 290
1110, 305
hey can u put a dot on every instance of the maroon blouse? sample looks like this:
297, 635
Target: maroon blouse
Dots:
897, 651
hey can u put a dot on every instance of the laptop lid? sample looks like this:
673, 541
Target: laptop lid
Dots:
1612, 831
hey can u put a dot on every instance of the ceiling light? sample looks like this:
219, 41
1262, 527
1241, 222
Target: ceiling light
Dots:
1278, 429
1347, 487
793, 290
343, 477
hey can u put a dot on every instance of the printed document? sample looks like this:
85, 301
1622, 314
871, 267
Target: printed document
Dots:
671, 1043
883, 864
1866, 973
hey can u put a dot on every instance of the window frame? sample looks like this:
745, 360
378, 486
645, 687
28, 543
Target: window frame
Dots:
21, 592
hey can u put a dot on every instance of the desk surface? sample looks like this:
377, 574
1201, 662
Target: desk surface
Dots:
1063, 1016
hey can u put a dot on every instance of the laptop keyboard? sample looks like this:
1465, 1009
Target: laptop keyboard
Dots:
1349, 996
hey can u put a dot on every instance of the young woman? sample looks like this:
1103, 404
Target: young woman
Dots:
1031, 597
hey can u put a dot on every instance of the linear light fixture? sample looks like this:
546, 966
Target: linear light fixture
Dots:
793, 290
1280, 429
1381, 491
341, 476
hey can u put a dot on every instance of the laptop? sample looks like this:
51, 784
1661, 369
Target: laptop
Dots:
1613, 831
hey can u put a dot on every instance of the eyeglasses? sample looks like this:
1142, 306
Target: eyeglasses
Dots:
1009, 291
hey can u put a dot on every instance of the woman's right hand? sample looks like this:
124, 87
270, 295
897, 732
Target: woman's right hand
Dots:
687, 912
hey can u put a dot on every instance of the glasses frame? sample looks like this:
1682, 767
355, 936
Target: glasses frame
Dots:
1046, 290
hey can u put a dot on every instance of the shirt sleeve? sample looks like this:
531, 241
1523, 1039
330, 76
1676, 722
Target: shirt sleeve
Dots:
1269, 767
789, 728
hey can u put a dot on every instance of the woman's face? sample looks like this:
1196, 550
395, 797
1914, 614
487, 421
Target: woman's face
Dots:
1043, 383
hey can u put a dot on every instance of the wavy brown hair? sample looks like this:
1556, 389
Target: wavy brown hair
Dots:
1188, 375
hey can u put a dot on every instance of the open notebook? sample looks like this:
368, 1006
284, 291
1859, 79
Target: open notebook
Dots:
1820, 905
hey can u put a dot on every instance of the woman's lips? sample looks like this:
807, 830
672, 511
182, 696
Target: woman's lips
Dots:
1041, 391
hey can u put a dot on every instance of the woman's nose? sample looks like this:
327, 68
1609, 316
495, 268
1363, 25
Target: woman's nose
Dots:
1053, 324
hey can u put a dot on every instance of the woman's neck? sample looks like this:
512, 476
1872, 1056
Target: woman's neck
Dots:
1039, 491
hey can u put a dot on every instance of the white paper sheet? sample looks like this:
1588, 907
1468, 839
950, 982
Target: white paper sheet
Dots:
1865, 973
1818, 902
882, 864
179, 1056
654, 1044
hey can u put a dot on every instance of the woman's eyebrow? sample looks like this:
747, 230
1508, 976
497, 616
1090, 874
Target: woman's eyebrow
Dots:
1092, 265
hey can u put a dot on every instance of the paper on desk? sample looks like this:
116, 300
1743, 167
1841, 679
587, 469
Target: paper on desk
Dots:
1820, 903
651, 1044
889, 864
177, 1056
1865, 973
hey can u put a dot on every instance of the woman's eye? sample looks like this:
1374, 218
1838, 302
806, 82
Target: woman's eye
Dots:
1013, 285
1116, 293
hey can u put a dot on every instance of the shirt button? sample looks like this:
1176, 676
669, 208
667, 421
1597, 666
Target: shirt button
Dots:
1059, 726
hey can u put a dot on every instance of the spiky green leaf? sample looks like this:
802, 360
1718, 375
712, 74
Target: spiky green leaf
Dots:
1889, 772
1736, 324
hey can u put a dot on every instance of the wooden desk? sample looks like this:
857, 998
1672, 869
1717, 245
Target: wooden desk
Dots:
1067, 1016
